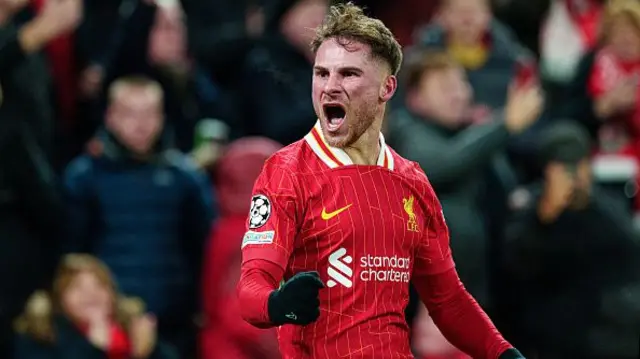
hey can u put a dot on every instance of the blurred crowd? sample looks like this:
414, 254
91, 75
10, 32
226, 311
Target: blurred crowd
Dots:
131, 132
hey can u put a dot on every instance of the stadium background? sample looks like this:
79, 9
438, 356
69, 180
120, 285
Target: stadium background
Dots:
236, 77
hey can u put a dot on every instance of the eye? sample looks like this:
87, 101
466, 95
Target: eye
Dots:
321, 73
349, 74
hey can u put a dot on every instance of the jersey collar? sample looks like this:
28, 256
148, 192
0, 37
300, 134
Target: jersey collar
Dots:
336, 157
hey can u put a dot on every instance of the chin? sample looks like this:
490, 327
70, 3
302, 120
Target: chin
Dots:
339, 139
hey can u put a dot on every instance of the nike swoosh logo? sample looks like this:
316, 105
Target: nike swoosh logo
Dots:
328, 215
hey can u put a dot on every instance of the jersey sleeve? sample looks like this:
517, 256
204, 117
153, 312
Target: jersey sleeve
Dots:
433, 254
273, 217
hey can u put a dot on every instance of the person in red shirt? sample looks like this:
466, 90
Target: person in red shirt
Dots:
340, 223
615, 75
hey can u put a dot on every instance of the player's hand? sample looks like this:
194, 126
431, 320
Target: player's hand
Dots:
523, 108
296, 301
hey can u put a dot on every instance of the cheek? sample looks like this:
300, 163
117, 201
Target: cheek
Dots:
316, 88
70, 303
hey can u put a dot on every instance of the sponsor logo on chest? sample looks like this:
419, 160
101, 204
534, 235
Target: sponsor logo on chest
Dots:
369, 268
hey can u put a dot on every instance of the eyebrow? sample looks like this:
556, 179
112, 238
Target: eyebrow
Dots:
341, 69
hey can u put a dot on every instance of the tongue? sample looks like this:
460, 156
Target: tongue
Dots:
335, 123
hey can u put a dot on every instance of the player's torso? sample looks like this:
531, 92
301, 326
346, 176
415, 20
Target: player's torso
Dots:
359, 230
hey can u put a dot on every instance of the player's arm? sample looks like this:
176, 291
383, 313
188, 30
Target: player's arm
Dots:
458, 316
266, 247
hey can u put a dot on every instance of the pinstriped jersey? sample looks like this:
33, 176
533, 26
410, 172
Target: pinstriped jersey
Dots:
366, 229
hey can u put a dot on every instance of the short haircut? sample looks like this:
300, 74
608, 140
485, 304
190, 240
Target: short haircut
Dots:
138, 81
347, 23
424, 62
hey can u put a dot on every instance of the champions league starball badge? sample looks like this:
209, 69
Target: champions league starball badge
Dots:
259, 212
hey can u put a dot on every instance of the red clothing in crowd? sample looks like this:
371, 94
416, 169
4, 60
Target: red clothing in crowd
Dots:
607, 72
119, 344
225, 334
367, 230
404, 23
586, 16
60, 53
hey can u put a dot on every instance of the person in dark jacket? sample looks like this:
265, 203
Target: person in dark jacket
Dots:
278, 72
30, 202
434, 131
573, 256
85, 318
144, 209
488, 50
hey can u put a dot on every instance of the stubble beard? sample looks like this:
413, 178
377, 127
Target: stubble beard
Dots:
358, 122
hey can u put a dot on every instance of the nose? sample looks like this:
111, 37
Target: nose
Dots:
332, 86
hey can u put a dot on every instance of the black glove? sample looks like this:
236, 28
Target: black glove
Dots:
511, 354
296, 301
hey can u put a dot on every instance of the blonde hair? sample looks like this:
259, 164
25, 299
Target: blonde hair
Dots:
37, 319
347, 22
614, 9
136, 81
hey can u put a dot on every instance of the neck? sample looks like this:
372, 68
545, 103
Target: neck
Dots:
366, 149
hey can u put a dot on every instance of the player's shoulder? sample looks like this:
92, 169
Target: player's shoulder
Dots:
408, 169
294, 159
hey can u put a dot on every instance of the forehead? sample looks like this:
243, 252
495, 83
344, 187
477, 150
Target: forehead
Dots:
335, 53
444, 74
465, 4
131, 94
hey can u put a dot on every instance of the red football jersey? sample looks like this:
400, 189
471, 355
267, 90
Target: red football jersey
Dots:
365, 229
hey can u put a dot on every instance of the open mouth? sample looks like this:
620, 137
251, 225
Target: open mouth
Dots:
335, 115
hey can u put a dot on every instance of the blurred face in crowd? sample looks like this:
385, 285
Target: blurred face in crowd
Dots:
623, 38
135, 115
299, 23
167, 39
442, 95
580, 172
583, 180
86, 298
350, 90
466, 21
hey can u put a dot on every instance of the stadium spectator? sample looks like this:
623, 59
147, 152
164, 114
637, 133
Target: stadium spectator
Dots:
85, 317
492, 57
604, 94
144, 209
223, 334
30, 203
570, 30
573, 257
604, 89
190, 93
435, 130
274, 94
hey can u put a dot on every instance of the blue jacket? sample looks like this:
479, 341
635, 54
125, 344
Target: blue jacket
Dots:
146, 220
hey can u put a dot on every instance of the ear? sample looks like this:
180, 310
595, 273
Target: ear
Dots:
388, 88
